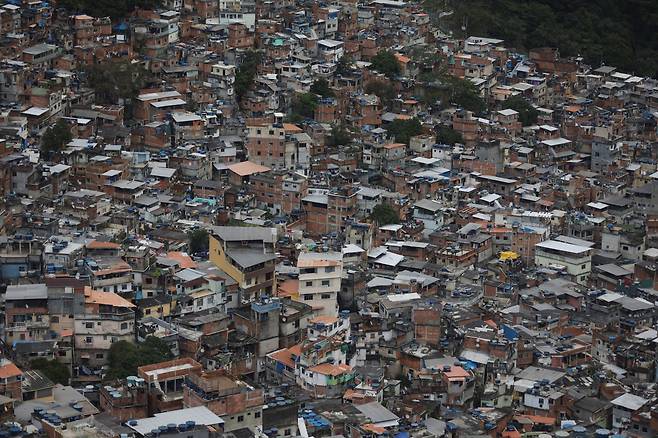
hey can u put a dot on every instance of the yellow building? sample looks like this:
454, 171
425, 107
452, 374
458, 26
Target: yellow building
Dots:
159, 306
247, 254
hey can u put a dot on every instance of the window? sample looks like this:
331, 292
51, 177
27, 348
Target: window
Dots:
325, 296
54, 318
124, 325
89, 340
308, 297
240, 418
89, 325
257, 414
99, 355
325, 283
309, 283
330, 269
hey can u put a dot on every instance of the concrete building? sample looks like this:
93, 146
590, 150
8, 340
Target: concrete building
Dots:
247, 255
319, 281
576, 260
239, 404
107, 319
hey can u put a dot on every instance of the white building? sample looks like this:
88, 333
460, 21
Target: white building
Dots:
319, 281
430, 212
575, 259
107, 318
623, 407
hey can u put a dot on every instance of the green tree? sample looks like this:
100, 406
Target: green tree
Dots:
527, 113
339, 136
403, 130
112, 81
466, 95
447, 135
55, 138
303, 106
244, 76
386, 63
198, 240
619, 33
125, 357
384, 214
107, 8
344, 66
55, 371
154, 350
123, 360
382, 89
321, 87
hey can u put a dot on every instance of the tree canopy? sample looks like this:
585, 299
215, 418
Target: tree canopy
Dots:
55, 371
527, 113
447, 135
382, 89
339, 136
125, 357
441, 89
244, 76
386, 63
321, 87
384, 214
466, 95
112, 81
618, 33
403, 130
303, 106
198, 240
107, 8
344, 66
55, 138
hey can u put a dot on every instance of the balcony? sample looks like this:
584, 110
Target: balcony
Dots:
28, 325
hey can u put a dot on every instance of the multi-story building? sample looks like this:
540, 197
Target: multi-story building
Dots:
110, 275
221, 79
106, 318
279, 147
280, 191
166, 382
26, 313
576, 260
11, 378
239, 404
319, 281
248, 256
319, 363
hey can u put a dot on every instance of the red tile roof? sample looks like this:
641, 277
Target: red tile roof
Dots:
105, 298
9, 369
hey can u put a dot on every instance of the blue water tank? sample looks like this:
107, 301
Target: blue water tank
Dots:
579, 432
602, 433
